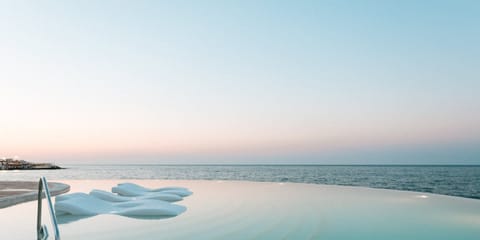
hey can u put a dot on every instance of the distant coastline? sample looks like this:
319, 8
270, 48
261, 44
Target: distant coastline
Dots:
14, 164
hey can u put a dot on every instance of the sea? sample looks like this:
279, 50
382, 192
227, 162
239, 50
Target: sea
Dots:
454, 180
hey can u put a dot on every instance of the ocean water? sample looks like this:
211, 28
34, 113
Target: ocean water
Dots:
462, 181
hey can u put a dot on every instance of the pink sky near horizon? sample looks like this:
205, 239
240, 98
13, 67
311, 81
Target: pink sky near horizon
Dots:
38, 144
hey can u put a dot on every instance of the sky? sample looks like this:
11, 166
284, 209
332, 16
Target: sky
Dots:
317, 82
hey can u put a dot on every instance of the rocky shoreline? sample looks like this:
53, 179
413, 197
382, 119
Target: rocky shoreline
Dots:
13, 164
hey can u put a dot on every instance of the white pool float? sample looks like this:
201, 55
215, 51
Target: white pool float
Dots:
108, 196
134, 190
82, 204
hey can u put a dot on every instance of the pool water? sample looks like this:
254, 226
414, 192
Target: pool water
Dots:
263, 210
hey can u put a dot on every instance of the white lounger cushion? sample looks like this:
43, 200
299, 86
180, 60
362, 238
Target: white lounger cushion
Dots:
133, 185
86, 205
108, 196
134, 190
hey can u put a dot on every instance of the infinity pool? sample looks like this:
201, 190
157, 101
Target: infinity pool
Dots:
260, 210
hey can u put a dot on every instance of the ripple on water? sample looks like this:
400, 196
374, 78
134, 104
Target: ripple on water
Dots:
450, 180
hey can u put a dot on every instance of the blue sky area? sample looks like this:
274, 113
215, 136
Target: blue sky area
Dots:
332, 82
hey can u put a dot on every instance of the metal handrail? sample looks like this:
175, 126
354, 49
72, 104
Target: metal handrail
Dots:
42, 232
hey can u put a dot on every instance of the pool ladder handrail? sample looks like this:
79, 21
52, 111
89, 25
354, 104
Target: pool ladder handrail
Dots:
42, 233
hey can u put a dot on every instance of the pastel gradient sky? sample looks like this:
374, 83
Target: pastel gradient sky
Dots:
241, 81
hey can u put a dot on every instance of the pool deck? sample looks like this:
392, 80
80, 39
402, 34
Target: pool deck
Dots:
15, 192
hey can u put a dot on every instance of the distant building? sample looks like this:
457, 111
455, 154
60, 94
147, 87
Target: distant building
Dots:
10, 163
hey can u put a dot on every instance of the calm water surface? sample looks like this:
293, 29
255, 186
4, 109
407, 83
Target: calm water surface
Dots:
461, 181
